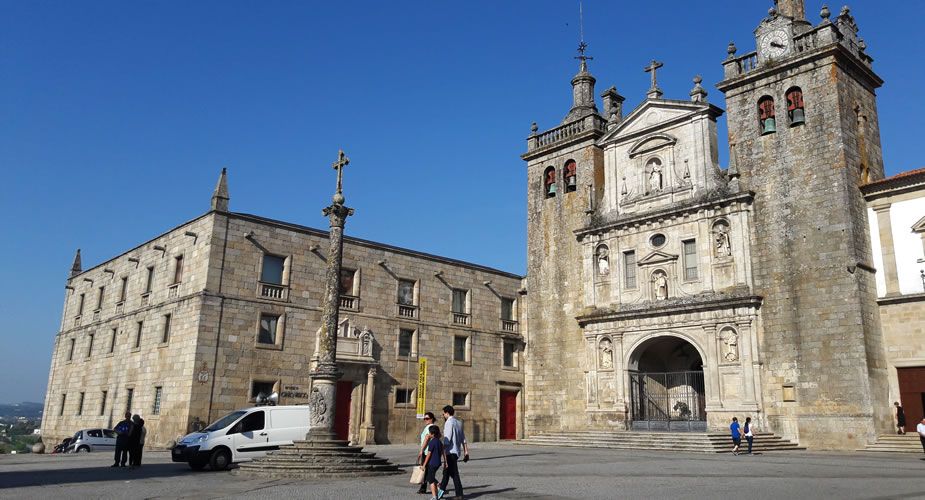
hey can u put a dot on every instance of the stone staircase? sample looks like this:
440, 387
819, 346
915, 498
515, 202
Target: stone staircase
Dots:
312, 459
697, 442
896, 443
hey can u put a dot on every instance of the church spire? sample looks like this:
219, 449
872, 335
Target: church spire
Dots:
220, 195
76, 267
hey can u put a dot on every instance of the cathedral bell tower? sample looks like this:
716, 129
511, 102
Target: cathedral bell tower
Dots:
803, 135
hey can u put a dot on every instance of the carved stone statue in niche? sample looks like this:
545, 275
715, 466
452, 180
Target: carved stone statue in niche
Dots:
366, 342
721, 239
606, 354
655, 175
660, 285
730, 341
603, 261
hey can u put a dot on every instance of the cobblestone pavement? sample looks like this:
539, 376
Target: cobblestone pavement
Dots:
498, 471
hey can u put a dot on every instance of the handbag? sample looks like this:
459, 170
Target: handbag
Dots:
417, 475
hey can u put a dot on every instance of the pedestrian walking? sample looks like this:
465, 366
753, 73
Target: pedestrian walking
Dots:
921, 430
139, 432
456, 445
736, 435
123, 429
747, 432
900, 418
433, 459
429, 420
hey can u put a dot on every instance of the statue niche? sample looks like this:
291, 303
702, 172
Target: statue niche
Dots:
730, 344
659, 285
605, 353
602, 261
656, 180
722, 245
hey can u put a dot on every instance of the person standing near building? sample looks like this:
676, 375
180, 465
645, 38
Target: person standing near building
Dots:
736, 435
425, 436
921, 430
135, 441
747, 432
900, 418
433, 459
455, 441
123, 429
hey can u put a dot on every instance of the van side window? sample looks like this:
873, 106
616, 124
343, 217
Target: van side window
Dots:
252, 422
111, 434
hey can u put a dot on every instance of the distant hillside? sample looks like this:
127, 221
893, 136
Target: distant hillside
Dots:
28, 410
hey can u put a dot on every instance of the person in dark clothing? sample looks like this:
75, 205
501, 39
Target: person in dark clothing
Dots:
749, 435
900, 419
736, 435
434, 458
136, 441
123, 429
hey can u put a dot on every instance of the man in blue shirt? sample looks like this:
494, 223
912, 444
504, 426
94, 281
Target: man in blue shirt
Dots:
456, 445
736, 435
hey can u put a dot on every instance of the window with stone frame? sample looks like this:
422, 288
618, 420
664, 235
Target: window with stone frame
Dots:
509, 354
268, 329
129, 397
90, 338
165, 337
70, 350
508, 314
100, 294
349, 288
103, 397
460, 400
404, 397
795, 110
177, 269
549, 182
112, 340
629, 269
570, 175
80, 403
460, 306
139, 327
149, 280
158, 394
690, 260
123, 289
406, 293
461, 350
407, 343
272, 269
80, 304
61, 408
264, 387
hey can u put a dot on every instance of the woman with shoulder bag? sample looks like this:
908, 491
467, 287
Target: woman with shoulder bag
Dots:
749, 436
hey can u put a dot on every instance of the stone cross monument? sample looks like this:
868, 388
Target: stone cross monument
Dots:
325, 375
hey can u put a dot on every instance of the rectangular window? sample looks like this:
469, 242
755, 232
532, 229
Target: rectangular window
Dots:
629, 269
459, 301
405, 342
259, 387
70, 351
103, 397
166, 337
80, 305
149, 281
61, 408
510, 351
123, 289
80, 404
272, 271
406, 292
90, 344
112, 340
690, 260
129, 395
156, 408
138, 330
268, 324
507, 309
461, 399
461, 348
99, 297
346, 282
177, 269
404, 397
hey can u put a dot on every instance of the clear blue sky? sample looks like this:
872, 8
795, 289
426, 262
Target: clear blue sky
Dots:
118, 116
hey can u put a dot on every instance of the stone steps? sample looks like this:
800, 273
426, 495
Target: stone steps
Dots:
314, 459
896, 443
700, 442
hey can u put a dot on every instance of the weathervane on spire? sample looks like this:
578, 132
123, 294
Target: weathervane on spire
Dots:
582, 46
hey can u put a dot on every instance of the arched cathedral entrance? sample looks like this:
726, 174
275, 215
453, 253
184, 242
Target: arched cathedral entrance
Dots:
666, 386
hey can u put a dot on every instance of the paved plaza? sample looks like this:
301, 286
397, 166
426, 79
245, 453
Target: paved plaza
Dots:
498, 471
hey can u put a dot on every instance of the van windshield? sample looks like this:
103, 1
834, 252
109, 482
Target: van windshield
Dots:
224, 421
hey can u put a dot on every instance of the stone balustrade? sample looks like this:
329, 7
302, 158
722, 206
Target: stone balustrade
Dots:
566, 131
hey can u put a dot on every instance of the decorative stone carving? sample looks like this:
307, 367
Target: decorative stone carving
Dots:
730, 340
318, 407
603, 261
366, 342
655, 175
605, 349
722, 245
659, 285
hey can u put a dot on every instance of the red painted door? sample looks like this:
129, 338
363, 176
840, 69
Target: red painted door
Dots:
342, 409
912, 394
508, 417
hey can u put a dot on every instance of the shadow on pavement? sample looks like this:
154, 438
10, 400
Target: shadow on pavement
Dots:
487, 492
504, 456
21, 479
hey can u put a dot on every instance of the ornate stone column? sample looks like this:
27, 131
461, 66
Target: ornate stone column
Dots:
369, 429
325, 375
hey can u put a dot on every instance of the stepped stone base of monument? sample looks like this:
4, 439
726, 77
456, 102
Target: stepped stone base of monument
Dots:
697, 442
318, 459
896, 443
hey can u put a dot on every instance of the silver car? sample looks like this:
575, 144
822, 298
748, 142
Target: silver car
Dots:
93, 440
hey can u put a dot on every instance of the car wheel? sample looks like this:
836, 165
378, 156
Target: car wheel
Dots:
197, 464
85, 449
220, 459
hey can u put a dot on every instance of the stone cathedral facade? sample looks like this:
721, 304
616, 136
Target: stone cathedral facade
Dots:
676, 293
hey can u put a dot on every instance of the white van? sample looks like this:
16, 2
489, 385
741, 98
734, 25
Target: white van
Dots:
242, 435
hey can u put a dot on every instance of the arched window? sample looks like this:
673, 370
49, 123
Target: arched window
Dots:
795, 107
766, 121
549, 182
571, 176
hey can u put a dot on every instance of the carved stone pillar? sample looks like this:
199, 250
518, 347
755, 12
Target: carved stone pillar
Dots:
369, 430
711, 367
744, 328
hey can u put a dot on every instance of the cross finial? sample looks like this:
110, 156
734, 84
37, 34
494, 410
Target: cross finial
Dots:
654, 91
342, 161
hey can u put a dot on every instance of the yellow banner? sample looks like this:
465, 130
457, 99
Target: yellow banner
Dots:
422, 387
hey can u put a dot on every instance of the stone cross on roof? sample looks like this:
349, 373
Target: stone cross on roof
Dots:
654, 91
342, 161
